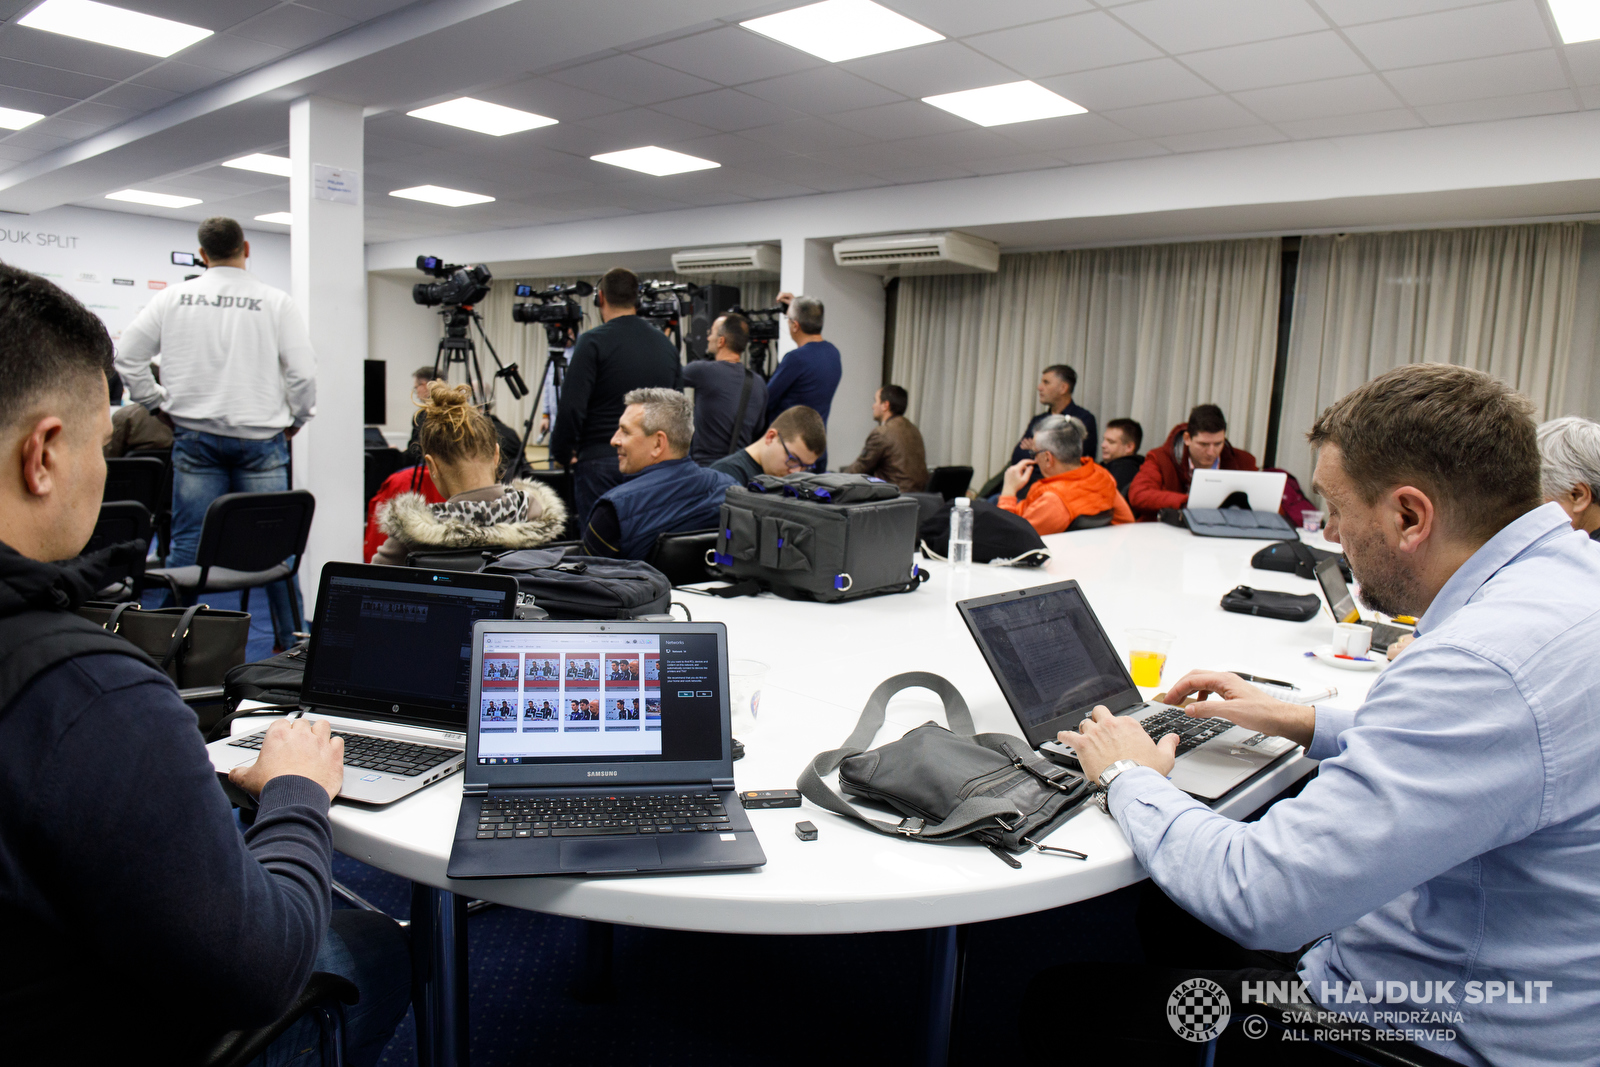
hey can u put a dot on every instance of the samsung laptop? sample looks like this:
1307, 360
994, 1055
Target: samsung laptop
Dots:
1342, 603
389, 665
1209, 488
617, 756
1054, 664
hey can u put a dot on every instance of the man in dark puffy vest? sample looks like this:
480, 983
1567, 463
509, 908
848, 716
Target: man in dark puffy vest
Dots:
669, 491
119, 855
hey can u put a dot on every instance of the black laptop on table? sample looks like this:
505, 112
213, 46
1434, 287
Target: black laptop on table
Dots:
617, 756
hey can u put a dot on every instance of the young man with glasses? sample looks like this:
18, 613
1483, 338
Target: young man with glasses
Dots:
793, 443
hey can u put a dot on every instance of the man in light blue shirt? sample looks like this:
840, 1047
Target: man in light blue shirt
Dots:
1448, 852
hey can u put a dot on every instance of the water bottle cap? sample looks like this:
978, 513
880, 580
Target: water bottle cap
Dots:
963, 502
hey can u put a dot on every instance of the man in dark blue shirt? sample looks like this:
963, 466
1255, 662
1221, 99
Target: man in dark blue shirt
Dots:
807, 376
1056, 383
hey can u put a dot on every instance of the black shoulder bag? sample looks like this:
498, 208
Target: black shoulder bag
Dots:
737, 432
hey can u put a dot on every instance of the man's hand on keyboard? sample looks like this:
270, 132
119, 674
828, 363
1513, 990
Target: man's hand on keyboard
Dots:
295, 746
1106, 738
1244, 704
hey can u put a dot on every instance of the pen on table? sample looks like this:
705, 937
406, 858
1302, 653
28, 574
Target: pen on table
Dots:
1341, 655
1264, 681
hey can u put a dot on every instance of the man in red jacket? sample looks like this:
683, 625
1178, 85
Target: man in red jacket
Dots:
1201, 442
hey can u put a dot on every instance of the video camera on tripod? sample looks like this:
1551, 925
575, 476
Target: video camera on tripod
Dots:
461, 285
764, 332
459, 288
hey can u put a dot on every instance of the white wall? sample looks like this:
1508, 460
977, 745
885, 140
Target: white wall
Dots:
84, 251
404, 335
852, 304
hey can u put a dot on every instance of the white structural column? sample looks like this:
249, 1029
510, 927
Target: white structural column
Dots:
329, 283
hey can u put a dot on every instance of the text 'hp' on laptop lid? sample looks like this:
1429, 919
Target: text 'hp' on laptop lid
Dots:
390, 664
600, 748
1054, 664
1342, 605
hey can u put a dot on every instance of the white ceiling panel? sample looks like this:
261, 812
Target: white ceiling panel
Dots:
633, 79
729, 149
1584, 61
1590, 95
67, 53
1354, 12
959, 18
543, 96
231, 54
1309, 57
1182, 116
136, 97
1013, 164
637, 127
730, 56
28, 100
908, 118
807, 135
1068, 131
64, 83
726, 110
1153, 81
941, 67
815, 174
1212, 140
1110, 153
292, 26
1320, 99
1476, 79
822, 91
178, 77
1190, 25
1061, 46
917, 173
1467, 33
357, 10
1501, 107
1348, 125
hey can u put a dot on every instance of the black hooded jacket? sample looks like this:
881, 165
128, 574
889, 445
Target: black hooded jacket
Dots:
137, 922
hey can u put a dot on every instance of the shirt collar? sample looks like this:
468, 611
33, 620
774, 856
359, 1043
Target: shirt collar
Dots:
1512, 540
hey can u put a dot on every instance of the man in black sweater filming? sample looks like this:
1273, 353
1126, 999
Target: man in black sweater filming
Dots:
122, 870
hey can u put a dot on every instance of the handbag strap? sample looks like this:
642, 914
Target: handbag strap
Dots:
180, 633
114, 623
738, 415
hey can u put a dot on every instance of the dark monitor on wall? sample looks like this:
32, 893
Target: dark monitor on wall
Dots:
376, 396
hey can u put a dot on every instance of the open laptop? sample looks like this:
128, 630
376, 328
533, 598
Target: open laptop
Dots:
1054, 663
1209, 488
388, 666
621, 760
1342, 603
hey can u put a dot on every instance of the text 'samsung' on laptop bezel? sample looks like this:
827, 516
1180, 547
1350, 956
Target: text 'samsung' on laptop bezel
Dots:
1118, 702
535, 774
429, 713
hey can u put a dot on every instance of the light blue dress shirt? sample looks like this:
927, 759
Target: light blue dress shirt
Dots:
1452, 834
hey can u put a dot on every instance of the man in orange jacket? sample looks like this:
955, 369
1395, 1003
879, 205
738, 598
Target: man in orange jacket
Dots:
1202, 442
1073, 484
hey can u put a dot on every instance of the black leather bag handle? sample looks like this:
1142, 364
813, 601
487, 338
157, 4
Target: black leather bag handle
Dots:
181, 634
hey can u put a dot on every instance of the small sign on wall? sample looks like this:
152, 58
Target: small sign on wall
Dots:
338, 184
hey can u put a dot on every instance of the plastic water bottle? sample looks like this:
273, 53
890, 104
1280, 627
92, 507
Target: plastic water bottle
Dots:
961, 534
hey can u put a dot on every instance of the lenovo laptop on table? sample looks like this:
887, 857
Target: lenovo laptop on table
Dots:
1342, 603
1209, 488
389, 667
1054, 664
620, 761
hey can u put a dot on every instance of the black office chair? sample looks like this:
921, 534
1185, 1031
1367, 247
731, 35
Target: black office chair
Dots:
380, 463
682, 556
244, 543
561, 482
1090, 522
325, 994
928, 505
138, 478
949, 482
121, 520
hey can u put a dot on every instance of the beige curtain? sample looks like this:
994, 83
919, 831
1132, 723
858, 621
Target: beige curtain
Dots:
1502, 299
1151, 330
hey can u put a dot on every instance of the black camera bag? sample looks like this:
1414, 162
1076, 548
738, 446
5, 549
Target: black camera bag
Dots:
998, 536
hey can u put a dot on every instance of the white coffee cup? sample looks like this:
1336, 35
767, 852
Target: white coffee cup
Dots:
1351, 639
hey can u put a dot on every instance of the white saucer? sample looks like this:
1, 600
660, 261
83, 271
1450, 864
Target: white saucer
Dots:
1325, 654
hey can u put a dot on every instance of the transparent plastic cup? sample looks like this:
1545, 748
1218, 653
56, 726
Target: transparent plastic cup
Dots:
1147, 656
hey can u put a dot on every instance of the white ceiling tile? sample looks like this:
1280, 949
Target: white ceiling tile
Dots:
1348, 125
1319, 99
1068, 131
1014, 164
814, 173
1486, 30
542, 96
1190, 25
961, 18
1110, 153
68, 53
1078, 42
291, 26
1477, 79
748, 183
1308, 57
29, 139
942, 67
359, 10
231, 54
731, 55
633, 79
1211, 140
1150, 82
1590, 95
729, 149
136, 97
916, 173
97, 112
822, 91
207, 13
908, 118
727, 110
1355, 12
1584, 59
1503, 107
971, 143
180, 77
1182, 116
806, 136
50, 80
27, 100
70, 129
15, 153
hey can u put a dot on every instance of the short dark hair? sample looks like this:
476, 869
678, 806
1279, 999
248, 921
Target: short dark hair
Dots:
895, 397
48, 342
1131, 431
1065, 373
736, 331
1466, 439
221, 237
1206, 418
429, 373
804, 423
621, 287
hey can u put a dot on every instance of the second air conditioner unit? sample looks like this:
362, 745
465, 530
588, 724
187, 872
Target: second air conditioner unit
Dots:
727, 260
948, 252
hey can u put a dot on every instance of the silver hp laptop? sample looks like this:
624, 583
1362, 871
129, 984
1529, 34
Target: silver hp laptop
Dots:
1209, 488
389, 667
1054, 664
618, 756
1342, 604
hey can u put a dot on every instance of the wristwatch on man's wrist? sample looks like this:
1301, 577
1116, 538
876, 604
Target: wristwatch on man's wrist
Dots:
1102, 795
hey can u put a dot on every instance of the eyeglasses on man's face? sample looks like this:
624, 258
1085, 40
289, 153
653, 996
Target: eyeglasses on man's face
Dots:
794, 462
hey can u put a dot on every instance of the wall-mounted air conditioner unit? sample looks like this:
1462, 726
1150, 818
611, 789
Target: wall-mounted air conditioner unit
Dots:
727, 260
949, 252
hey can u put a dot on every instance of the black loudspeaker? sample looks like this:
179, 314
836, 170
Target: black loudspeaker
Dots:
706, 305
375, 393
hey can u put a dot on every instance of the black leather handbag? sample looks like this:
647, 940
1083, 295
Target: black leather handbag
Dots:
196, 646
1270, 604
950, 784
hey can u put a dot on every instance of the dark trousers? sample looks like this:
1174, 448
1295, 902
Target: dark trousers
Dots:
592, 479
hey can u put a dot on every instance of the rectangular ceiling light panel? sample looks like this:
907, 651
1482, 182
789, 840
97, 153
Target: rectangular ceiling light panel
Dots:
282, 218
261, 164
11, 119
438, 194
480, 116
997, 105
654, 160
116, 26
837, 30
140, 196
1578, 20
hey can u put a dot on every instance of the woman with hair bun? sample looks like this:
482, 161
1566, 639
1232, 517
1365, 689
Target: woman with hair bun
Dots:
462, 453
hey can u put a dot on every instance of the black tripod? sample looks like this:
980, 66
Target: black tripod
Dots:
756, 355
456, 347
558, 335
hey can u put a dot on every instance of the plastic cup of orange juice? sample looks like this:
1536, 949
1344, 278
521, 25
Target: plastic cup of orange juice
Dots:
1147, 655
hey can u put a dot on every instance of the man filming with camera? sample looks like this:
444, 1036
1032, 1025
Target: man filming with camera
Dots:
620, 355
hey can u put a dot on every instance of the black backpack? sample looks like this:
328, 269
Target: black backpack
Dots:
998, 536
585, 587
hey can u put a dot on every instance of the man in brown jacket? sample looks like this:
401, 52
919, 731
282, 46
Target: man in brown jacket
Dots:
894, 450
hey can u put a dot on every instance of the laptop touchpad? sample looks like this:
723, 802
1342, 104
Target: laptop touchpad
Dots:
605, 855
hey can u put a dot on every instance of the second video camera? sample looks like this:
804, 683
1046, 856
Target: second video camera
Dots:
556, 304
459, 285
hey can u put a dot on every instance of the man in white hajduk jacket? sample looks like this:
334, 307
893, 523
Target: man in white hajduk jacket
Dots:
238, 379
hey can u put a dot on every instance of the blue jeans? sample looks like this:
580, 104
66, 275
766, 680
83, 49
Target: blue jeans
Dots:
372, 951
204, 467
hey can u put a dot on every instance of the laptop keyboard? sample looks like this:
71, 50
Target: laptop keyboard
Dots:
377, 753
594, 816
1192, 733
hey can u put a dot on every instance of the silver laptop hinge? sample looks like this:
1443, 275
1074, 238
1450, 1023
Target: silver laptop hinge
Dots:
722, 783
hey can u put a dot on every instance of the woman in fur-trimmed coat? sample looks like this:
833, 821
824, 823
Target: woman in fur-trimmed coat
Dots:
462, 452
